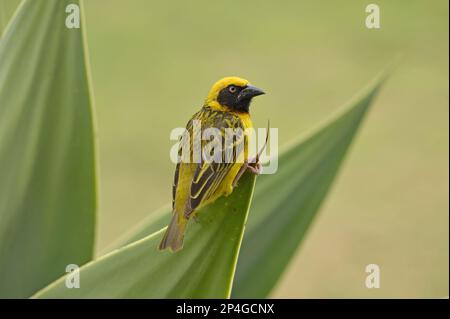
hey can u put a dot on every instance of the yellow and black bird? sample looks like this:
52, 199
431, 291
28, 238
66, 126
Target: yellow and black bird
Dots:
198, 184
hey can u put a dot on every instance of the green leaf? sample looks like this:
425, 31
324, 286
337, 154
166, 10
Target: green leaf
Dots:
204, 268
7, 8
284, 204
287, 202
47, 184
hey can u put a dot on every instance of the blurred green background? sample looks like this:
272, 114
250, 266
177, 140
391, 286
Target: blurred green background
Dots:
153, 63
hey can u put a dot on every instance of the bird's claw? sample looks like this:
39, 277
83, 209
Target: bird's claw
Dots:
254, 167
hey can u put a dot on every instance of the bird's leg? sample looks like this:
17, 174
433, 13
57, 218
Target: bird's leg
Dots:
239, 174
253, 165
255, 168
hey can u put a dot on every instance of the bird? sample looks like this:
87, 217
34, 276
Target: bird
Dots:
199, 183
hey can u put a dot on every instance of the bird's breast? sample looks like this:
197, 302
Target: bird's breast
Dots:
245, 120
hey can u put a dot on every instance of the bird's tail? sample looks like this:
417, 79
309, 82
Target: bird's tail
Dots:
173, 238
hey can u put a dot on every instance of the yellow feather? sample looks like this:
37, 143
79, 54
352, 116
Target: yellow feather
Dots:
224, 176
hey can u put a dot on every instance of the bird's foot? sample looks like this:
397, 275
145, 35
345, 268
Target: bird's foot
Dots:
254, 167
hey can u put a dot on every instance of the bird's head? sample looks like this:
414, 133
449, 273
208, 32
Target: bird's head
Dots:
232, 94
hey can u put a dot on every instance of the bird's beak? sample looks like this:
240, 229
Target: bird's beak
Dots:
249, 92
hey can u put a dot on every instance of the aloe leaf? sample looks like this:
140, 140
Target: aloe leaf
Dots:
7, 8
48, 182
286, 203
204, 268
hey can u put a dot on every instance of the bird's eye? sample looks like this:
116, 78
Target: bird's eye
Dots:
232, 89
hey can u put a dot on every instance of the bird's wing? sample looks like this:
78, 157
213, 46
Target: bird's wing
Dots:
182, 141
209, 175
175, 184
